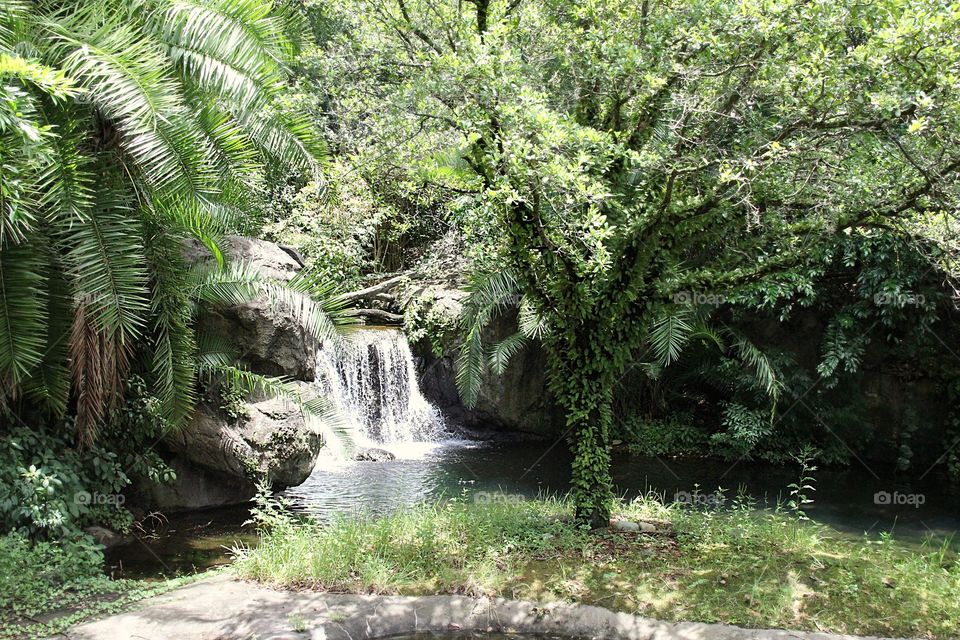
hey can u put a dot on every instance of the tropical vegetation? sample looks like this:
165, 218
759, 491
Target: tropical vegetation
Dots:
628, 166
733, 565
716, 220
127, 128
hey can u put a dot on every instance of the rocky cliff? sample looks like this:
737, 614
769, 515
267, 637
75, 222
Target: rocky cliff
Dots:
222, 451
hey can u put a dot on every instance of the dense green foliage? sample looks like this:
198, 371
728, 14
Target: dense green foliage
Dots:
128, 130
757, 569
50, 489
868, 367
125, 128
46, 587
624, 159
650, 186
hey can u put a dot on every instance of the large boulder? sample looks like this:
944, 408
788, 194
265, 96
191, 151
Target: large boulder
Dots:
267, 337
517, 400
271, 259
219, 458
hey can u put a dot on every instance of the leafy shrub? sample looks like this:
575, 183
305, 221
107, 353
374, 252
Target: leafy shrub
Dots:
341, 227
743, 428
425, 320
50, 488
675, 435
29, 570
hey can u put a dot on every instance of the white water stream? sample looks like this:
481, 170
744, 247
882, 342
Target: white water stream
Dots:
373, 382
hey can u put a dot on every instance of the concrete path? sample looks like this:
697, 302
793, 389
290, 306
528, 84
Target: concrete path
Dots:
223, 608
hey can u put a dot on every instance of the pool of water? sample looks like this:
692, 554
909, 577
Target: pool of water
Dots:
855, 500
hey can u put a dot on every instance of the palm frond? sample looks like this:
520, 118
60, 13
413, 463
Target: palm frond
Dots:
488, 294
757, 360
502, 351
23, 312
49, 383
232, 49
532, 324
471, 366
669, 334
214, 350
126, 78
174, 347
309, 300
104, 256
321, 414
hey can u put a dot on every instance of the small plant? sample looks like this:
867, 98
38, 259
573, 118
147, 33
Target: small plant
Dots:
337, 617
297, 622
800, 490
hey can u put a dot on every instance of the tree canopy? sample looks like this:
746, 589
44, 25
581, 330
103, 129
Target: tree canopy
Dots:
617, 161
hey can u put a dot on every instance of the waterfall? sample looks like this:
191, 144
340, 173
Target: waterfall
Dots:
373, 381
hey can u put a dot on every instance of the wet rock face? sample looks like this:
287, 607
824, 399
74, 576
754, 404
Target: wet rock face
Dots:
516, 401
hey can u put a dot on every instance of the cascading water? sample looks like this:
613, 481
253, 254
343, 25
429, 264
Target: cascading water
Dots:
373, 381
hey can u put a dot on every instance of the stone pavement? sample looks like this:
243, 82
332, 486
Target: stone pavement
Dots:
223, 608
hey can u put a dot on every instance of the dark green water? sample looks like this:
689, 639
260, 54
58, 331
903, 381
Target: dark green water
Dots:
849, 500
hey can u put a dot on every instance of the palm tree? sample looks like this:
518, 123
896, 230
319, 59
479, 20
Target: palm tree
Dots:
125, 127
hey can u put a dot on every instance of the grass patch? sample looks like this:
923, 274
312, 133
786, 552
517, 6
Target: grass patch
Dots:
739, 566
46, 587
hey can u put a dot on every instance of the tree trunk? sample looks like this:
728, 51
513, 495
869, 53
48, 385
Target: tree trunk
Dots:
591, 481
582, 381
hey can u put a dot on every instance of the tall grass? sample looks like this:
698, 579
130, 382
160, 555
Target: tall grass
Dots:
742, 566
444, 546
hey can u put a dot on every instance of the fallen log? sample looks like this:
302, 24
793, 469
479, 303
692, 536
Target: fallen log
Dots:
378, 289
383, 317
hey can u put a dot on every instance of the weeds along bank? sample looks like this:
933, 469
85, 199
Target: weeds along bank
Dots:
741, 566
47, 587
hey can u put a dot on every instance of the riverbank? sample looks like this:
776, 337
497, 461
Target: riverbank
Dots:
763, 569
47, 587
754, 569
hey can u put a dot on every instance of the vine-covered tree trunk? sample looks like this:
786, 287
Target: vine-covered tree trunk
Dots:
581, 378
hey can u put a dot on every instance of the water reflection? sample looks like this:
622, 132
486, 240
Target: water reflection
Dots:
845, 499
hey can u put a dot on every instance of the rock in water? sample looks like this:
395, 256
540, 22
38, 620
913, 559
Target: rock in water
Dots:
372, 454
